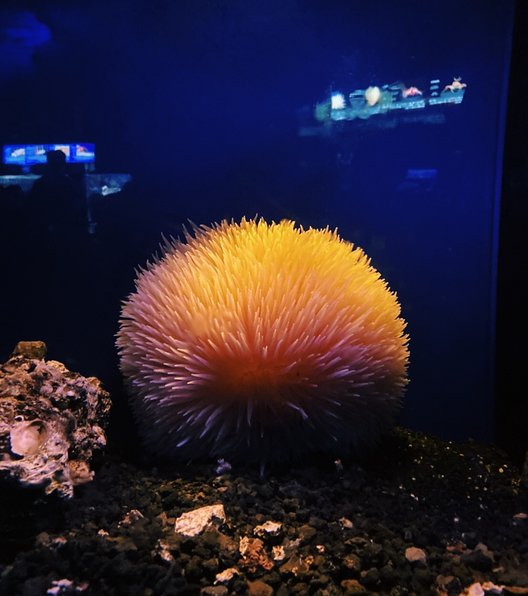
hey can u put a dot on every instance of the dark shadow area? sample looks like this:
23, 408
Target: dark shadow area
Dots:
512, 352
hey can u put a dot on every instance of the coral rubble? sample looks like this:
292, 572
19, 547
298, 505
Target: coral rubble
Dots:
52, 421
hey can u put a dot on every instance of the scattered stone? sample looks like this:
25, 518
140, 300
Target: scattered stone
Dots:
226, 576
259, 588
491, 588
486, 588
346, 523
306, 533
254, 554
269, 528
415, 555
163, 551
291, 546
65, 586
214, 591
228, 546
352, 586
448, 585
352, 562
195, 522
52, 421
30, 349
131, 517
296, 565
102, 536
480, 558
370, 577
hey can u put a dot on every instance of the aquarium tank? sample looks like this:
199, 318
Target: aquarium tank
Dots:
272, 232
387, 124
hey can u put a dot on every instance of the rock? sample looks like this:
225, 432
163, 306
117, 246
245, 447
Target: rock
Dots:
415, 555
387, 573
448, 584
346, 523
352, 586
481, 558
52, 421
228, 548
30, 349
162, 550
226, 576
370, 577
269, 528
475, 589
352, 562
515, 590
214, 591
259, 588
306, 533
254, 554
131, 517
65, 586
491, 588
195, 522
296, 566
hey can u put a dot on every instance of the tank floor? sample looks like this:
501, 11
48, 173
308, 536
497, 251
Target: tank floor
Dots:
420, 516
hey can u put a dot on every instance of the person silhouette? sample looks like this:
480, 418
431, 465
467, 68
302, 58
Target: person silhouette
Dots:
56, 268
56, 201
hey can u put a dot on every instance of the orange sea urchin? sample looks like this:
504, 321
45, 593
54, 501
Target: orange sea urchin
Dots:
262, 342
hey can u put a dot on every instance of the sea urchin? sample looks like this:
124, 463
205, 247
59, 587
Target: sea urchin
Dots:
261, 342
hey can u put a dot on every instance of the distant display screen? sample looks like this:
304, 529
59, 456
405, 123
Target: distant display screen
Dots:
28, 155
390, 98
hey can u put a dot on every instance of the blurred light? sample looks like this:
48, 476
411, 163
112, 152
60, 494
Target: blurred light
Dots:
337, 101
21, 34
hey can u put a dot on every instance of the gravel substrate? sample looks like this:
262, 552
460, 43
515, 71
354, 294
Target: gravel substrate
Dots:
421, 516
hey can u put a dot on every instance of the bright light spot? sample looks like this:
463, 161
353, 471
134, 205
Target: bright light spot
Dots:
338, 101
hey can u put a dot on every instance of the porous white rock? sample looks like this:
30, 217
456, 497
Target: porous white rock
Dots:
52, 421
195, 522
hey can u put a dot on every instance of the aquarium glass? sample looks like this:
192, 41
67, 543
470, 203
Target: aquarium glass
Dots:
381, 119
